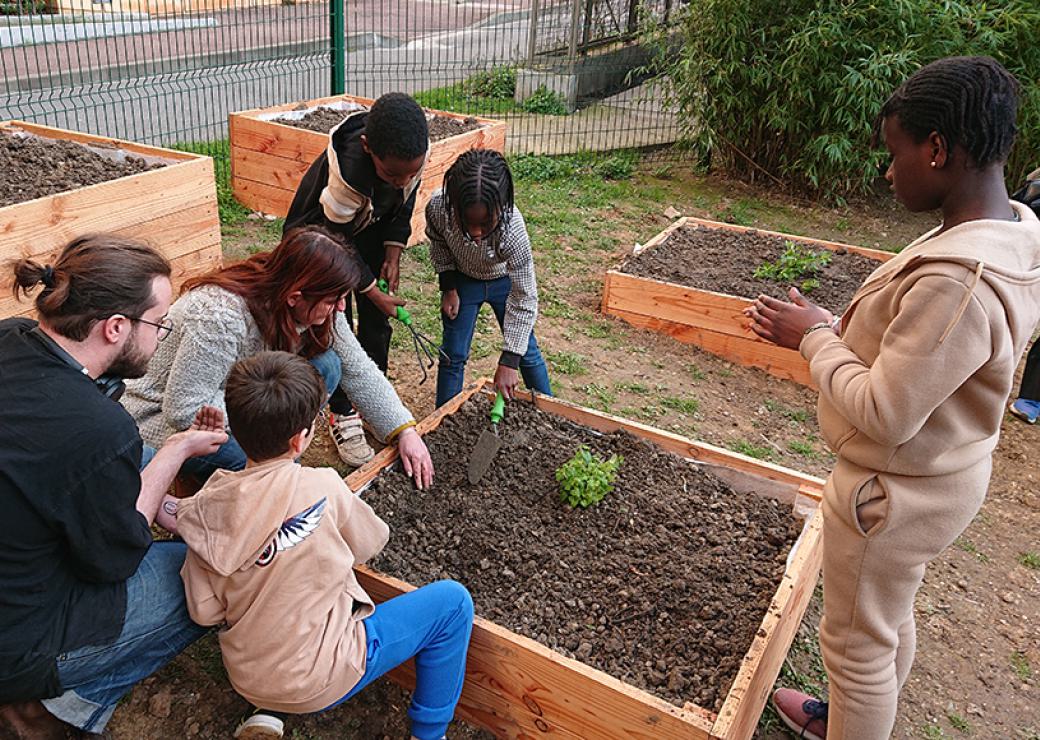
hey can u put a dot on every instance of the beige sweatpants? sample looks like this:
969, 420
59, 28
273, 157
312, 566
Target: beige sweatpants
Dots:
879, 532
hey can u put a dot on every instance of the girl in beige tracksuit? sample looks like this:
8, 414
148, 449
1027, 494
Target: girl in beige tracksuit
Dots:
913, 384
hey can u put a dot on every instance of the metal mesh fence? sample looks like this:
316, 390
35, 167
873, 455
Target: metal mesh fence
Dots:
170, 71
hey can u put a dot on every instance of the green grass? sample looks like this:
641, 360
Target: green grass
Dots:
696, 373
933, 732
963, 543
1020, 665
806, 449
958, 722
746, 448
1030, 560
682, 405
601, 396
799, 416
638, 388
567, 363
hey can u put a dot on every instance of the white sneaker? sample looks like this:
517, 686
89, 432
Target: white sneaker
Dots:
260, 726
349, 436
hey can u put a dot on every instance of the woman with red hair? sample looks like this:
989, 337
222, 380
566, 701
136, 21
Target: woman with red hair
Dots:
289, 299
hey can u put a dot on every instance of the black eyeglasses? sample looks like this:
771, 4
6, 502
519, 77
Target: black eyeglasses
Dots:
164, 327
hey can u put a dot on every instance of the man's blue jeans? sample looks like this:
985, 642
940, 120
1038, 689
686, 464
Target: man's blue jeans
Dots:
458, 337
230, 456
433, 624
156, 629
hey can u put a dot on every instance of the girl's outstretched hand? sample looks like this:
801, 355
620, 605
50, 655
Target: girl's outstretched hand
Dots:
783, 323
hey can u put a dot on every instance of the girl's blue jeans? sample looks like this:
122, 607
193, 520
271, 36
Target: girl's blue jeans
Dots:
458, 337
433, 624
230, 456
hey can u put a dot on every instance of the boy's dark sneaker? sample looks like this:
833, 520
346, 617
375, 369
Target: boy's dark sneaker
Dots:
802, 713
1026, 410
261, 725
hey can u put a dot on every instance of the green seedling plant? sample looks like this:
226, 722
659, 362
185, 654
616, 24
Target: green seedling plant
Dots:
586, 479
797, 264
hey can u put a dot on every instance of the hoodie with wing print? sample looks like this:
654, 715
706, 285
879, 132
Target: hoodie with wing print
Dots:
271, 556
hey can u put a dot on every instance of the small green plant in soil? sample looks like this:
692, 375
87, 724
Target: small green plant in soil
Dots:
963, 543
746, 448
586, 478
1020, 665
1030, 560
797, 264
958, 722
682, 405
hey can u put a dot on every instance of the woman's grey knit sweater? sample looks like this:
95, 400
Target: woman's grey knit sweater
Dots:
213, 329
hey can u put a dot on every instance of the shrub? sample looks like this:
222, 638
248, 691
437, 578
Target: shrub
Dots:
499, 82
585, 479
792, 88
616, 167
545, 101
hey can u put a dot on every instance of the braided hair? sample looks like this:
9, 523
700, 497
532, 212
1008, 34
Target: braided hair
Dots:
479, 177
970, 101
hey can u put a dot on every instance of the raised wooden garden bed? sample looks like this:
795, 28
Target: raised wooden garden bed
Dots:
518, 687
268, 158
172, 207
711, 320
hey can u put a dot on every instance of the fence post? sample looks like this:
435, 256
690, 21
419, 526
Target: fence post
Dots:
532, 33
337, 46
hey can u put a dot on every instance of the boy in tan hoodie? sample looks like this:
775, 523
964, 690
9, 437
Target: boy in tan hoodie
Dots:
271, 556
913, 383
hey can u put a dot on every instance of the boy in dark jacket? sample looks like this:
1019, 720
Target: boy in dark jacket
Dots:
364, 187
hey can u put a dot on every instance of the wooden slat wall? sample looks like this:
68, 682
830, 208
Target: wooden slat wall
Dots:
173, 208
517, 688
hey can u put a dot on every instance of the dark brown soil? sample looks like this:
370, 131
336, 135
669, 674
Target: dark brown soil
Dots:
725, 261
323, 119
34, 167
662, 585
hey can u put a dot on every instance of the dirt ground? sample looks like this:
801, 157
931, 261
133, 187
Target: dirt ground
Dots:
662, 584
34, 167
323, 119
978, 659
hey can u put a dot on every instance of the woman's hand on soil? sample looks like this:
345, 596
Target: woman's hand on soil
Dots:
391, 270
506, 381
384, 301
450, 304
416, 458
783, 323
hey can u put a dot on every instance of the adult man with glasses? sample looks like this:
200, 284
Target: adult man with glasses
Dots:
89, 605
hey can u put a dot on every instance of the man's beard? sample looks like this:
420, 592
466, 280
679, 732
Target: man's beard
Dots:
131, 362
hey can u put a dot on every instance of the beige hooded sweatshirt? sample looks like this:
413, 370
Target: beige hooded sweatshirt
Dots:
917, 384
271, 555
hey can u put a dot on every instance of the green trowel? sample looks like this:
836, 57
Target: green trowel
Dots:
488, 444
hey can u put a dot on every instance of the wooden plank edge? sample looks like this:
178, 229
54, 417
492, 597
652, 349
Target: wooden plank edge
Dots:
876, 254
784, 364
184, 168
747, 697
52, 132
382, 586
